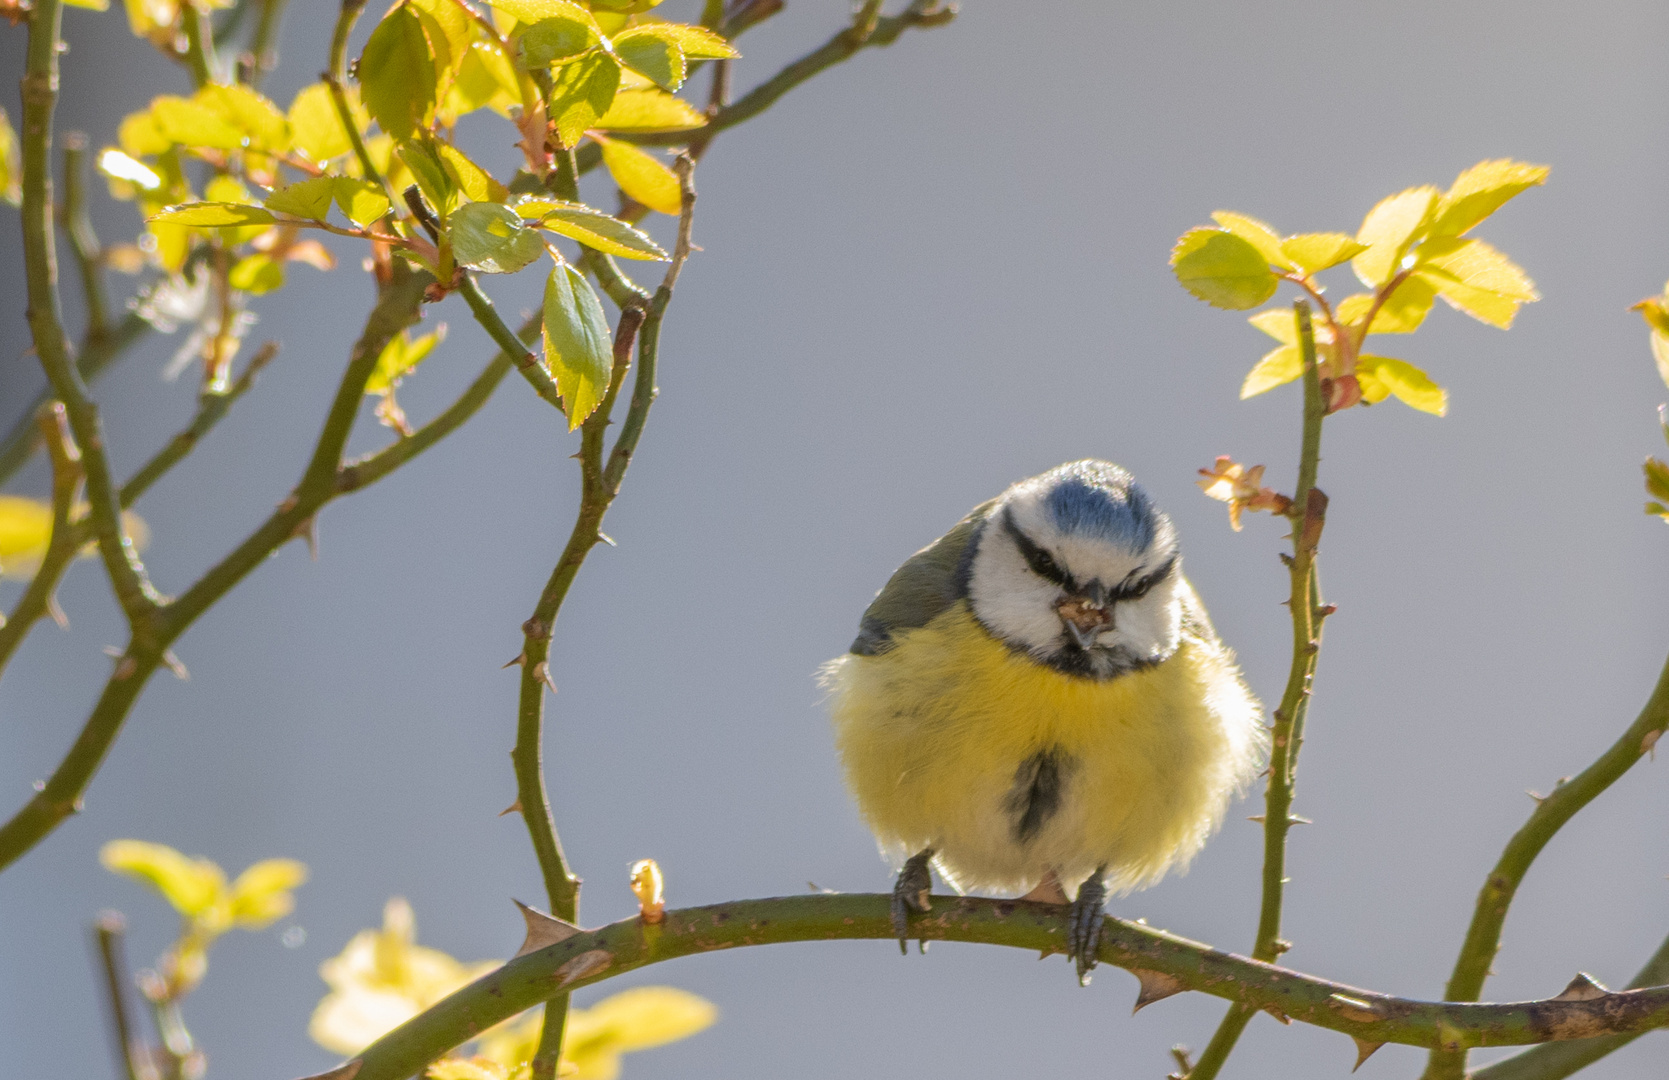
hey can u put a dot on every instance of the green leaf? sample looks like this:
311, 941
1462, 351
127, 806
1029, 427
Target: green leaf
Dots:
650, 110
642, 176
697, 42
1655, 310
1408, 383
1256, 233
595, 229
258, 273
191, 124
1475, 278
90, 5
397, 74
1657, 479
583, 91
1480, 191
529, 12
485, 78
449, 29
1402, 313
213, 215
262, 125
1388, 231
192, 886
315, 129
625, 7
578, 350
11, 168
1223, 269
139, 135
361, 201
652, 56
1279, 323
400, 357
1277, 368
472, 179
1660, 354
431, 175
305, 198
1314, 252
261, 894
490, 238
558, 38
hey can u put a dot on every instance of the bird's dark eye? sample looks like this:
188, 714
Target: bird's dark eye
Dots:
1134, 588
1041, 562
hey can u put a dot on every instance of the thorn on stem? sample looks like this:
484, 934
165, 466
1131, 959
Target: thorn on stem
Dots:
1277, 1014
513, 808
1648, 742
1364, 1051
56, 612
542, 673
175, 666
543, 930
516, 661
1582, 988
1155, 986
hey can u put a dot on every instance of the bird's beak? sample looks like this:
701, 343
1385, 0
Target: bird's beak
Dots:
1085, 619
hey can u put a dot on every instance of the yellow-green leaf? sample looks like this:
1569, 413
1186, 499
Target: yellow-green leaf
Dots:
1256, 233
400, 356
582, 92
1277, 368
652, 56
316, 129
261, 894
192, 886
1657, 479
90, 5
1475, 278
361, 201
1408, 383
265, 128
258, 273
11, 170
491, 238
1388, 231
485, 78
397, 73
423, 160
1314, 252
557, 38
528, 12
595, 229
449, 29
650, 110
214, 215
1655, 310
1402, 313
1660, 354
467, 1069
624, 7
578, 349
642, 176
189, 123
1479, 192
1223, 269
697, 42
139, 135
1279, 323
474, 181
305, 198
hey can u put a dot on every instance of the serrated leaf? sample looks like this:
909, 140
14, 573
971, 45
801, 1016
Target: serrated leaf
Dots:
1657, 479
257, 274
361, 201
258, 119
397, 74
1389, 229
1314, 252
441, 51
559, 38
528, 12
1475, 278
474, 181
1480, 191
191, 124
1406, 382
1223, 269
643, 177
1277, 368
489, 237
213, 215
1279, 323
315, 129
1256, 233
455, 27
652, 56
650, 110
305, 198
697, 42
582, 92
595, 229
578, 349
430, 174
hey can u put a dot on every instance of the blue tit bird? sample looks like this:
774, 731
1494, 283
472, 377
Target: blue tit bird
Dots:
1037, 701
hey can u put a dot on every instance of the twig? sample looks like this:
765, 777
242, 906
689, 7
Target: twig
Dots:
40, 94
1483, 936
1308, 515
66, 539
84, 242
263, 48
529, 365
131, 1055
336, 79
199, 41
1167, 963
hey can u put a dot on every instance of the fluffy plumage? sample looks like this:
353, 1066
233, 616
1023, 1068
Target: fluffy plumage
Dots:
1040, 691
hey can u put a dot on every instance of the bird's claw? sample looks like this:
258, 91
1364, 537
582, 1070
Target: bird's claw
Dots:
1083, 925
910, 892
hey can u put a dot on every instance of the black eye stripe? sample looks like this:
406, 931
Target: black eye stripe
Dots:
1133, 590
1041, 562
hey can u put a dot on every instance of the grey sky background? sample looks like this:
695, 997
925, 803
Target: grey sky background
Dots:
930, 272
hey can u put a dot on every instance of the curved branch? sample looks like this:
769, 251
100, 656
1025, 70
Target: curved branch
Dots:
1165, 964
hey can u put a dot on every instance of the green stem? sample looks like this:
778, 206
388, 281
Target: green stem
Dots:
1286, 735
210, 409
1168, 962
1554, 1061
110, 931
337, 79
84, 242
40, 95
529, 365
263, 48
199, 38
66, 539
1483, 936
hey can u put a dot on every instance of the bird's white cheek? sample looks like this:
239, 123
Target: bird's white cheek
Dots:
1147, 628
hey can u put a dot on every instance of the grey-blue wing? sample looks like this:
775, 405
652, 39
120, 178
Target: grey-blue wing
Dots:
930, 581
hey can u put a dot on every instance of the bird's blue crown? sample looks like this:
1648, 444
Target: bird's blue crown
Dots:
1099, 499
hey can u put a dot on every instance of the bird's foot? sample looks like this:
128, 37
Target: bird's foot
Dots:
1083, 925
910, 892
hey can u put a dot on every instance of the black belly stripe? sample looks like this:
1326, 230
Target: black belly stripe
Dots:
1039, 785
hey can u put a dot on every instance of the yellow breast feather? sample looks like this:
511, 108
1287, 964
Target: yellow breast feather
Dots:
937, 732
